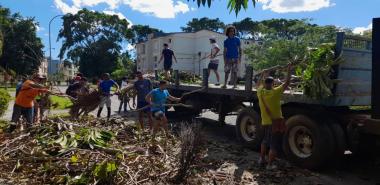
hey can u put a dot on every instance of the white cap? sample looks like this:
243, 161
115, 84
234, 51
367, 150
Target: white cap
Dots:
213, 38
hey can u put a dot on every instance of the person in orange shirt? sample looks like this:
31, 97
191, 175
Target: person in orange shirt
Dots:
25, 100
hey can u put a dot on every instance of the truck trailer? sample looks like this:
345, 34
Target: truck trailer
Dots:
318, 131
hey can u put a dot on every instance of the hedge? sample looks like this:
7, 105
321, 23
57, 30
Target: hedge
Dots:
5, 98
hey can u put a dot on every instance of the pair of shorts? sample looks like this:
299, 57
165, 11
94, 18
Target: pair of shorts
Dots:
231, 65
19, 111
271, 140
106, 100
168, 65
141, 104
213, 66
158, 114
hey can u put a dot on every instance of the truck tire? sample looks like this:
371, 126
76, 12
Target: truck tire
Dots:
248, 128
307, 143
340, 143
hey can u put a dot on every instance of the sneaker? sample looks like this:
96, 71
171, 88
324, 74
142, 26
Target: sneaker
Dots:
224, 87
217, 84
262, 162
271, 167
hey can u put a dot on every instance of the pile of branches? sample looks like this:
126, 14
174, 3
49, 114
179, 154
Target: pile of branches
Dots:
91, 151
184, 77
85, 104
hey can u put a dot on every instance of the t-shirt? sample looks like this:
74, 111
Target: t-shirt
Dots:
168, 55
213, 58
18, 87
272, 99
232, 45
159, 98
105, 86
124, 84
143, 88
27, 94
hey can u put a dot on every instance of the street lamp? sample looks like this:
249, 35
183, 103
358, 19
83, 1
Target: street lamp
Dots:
51, 20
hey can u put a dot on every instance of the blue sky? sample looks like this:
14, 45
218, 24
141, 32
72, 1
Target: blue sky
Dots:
170, 15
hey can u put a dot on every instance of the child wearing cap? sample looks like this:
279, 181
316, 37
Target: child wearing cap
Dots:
214, 61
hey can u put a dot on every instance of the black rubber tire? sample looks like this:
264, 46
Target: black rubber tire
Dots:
253, 143
340, 143
321, 138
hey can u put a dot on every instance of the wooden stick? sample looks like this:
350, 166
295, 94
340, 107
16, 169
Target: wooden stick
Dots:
192, 92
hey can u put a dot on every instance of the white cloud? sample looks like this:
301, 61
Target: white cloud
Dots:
65, 8
360, 30
120, 15
158, 8
39, 28
113, 4
285, 6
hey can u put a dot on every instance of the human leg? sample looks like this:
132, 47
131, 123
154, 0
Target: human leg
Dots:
217, 77
101, 105
227, 70
15, 118
126, 101
265, 143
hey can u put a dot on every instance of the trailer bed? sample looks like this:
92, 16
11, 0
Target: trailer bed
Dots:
248, 96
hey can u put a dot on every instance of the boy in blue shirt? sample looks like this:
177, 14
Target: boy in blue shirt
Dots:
232, 56
157, 99
105, 88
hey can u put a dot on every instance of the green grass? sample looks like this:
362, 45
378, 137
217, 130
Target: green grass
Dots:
9, 89
62, 102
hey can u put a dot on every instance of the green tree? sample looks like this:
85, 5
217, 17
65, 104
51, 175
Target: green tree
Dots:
141, 32
203, 23
233, 5
22, 49
93, 40
247, 28
285, 40
125, 67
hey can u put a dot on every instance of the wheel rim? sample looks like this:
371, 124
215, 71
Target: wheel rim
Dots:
301, 141
248, 128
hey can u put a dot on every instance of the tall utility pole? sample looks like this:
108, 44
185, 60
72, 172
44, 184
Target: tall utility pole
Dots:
51, 20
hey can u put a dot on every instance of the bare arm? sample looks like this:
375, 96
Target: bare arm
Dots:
263, 75
172, 98
175, 58
148, 98
287, 82
162, 56
225, 55
216, 53
117, 86
240, 54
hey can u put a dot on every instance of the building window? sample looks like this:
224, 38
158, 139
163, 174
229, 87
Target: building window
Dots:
155, 58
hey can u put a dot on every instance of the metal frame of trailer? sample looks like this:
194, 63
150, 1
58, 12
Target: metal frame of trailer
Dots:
317, 131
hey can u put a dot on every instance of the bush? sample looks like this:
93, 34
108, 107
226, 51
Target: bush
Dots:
5, 98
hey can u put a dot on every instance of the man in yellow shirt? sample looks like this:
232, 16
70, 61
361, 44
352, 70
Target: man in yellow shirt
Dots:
270, 108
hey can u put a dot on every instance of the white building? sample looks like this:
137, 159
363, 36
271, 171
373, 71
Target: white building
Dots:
43, 68
189, 48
